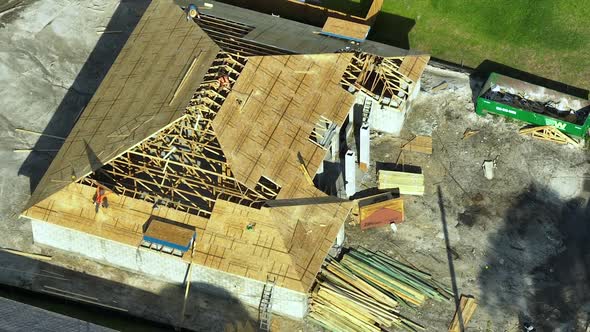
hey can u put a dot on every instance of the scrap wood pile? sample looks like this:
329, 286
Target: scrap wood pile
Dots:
363, 291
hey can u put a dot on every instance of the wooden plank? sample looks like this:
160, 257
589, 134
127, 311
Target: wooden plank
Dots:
347, 29
467, 306
413, 66
373, 11
421, 144
408, 183
169, 232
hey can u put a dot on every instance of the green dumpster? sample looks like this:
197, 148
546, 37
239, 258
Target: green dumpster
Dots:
534, 104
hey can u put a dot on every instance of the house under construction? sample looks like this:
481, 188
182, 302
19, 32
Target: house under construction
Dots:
196, 126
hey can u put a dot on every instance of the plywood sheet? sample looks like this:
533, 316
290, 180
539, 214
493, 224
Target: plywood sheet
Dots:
169, 232
141, 94
422, 144
267, 119
348, 29
413, 66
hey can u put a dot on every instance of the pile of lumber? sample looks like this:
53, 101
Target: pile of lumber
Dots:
408, 183
364, 290
463, 315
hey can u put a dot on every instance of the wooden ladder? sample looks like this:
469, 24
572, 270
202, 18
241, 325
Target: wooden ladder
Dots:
265, 307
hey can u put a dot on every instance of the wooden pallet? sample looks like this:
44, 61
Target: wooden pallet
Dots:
549, 133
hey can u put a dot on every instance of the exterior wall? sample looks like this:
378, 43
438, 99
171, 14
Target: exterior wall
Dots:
391, 120
386, 119
113, 253
284, 301
249, 291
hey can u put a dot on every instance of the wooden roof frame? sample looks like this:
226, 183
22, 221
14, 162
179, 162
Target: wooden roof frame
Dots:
176, 156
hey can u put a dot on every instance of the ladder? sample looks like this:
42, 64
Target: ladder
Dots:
265, 307
367, 109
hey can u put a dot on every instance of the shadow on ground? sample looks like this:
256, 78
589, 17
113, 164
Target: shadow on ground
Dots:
482, 72
538, 266
78, 95
392, 29
208, 308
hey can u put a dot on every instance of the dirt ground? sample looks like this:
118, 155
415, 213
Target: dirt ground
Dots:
517, 242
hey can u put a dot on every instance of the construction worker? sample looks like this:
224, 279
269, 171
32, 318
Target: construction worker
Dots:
222, 80
100, 198
192, 12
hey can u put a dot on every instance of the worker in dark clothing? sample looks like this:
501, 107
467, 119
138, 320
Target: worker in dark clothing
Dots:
192, 12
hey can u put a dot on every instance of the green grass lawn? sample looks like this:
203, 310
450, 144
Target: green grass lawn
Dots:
548, 38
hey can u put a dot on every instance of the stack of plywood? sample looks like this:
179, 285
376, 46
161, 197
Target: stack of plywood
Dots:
408, 183
381, 213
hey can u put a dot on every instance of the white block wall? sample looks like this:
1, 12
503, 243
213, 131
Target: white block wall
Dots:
350, 172
115, 253
365, 147
284, 301
386, 119
169, 268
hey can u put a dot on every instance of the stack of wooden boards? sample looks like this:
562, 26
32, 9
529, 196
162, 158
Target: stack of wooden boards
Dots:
467, 307
408, 183
363, 291
380, 210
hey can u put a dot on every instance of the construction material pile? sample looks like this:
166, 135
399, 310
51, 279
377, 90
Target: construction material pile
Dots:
363, 291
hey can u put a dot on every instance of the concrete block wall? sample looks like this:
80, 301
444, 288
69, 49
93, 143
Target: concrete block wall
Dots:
111, 252
386, 119
169, 268
284, 301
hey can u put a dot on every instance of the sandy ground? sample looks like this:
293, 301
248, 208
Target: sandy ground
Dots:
517, 241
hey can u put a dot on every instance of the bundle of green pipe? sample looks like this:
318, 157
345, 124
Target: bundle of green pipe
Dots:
363, 291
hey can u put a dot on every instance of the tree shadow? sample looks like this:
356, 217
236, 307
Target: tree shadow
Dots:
70, 293
122, 23
539, 262
480, 75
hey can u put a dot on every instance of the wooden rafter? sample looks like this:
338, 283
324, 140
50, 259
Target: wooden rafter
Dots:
183, 166
549, 133
378, 77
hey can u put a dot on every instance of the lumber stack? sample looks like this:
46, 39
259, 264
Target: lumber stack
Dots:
467, 306
381, 213
408, 183
364, 290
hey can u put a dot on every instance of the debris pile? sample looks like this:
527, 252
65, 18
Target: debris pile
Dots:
556, 110
364, 290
